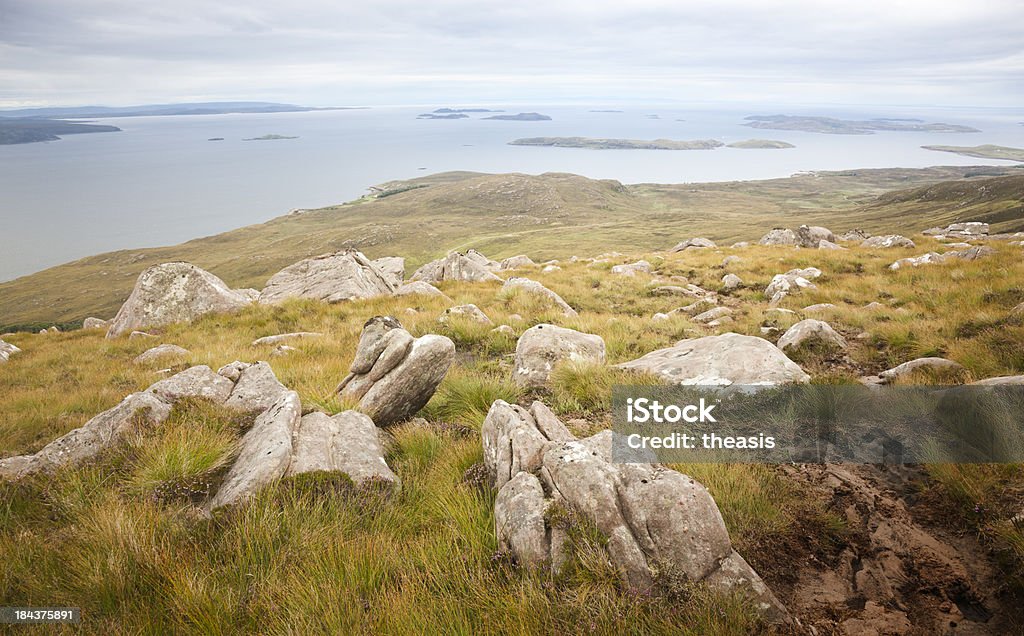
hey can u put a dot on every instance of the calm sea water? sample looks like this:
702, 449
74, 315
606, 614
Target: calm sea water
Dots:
160, 181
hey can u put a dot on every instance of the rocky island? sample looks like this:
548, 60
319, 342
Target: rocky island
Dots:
521, 117
445, 116
832, 126
761, 144
269, 138
617, 144
30, 130
985, 151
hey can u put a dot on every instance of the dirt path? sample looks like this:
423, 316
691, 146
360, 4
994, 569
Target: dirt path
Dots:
900, 572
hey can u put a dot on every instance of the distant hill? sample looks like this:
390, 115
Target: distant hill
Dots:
508, 214
30, 130
832, 126
521, 117
199, 108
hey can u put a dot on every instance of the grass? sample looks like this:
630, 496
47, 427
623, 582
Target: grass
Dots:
122, 537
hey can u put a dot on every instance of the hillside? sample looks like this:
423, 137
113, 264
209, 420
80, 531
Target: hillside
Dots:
504, 215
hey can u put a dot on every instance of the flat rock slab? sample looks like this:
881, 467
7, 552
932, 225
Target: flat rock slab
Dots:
195, 382
920, 364
256, 389
161, 352
722, 360
284, 337
348, 442
419, 287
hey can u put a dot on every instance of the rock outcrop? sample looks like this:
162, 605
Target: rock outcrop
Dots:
515, 262
174, 292
256, 388
698, 242
791, 282
471, 266
632, 269
721, 360
919, 365
779, 236
542, 347
468, 312
811, 236
890, 240
196, 382
348, 442
652, 517
393, 374
392, 267
525, 285
811, 333
932, 258
332, 278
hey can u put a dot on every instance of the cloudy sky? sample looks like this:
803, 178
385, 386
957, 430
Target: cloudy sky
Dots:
375, 52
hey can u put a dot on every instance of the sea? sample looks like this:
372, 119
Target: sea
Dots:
161, 181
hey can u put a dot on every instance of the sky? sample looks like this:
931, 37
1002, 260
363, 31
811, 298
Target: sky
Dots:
380, 52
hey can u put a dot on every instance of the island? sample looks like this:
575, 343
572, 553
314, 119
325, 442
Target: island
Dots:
466, 110
617, 144
269, 138
149, 110
761, 144
447, 116
215, 139
29, 130
832, 126
521, 117
986, 151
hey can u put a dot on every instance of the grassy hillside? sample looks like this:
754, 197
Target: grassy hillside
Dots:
121, 538
503, 215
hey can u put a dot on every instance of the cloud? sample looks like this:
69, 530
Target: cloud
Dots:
390, 51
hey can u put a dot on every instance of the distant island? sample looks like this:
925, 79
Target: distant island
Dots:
617, 144
466, 110
269, 138
201, 108
986, 151
447, 116
829, 125
606, 111
521, 117
215, 139
761, 144
31, 130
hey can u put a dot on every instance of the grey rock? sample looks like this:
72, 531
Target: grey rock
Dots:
712, 315
195, 382
504, 330
233, 370
160, 352
528, 286
632, 269
551, 268
854, 235
140, 335
970, 228
890, 240
516, 262
543, 346
731, 282
698, 242
740, 245
174, 292
393, 268
829, 245
421, 288
779, 236
819, 307
721, 360
735, 576
1005, 380
519, 524
283, 337
811, 332
14, 468
471, 266
393, 375
265, 452
812, 236
348, 442
332, 278
730, 260
916, 261
514, 438
920, 364
468, 312
7, 350
792, 281
95, 323
256, 389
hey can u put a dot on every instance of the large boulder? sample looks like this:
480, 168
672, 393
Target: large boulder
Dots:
928, 365
195, 382
7, 350
394, 375
811, 333
515, 262
722, 360
265, 452
514, 438
174, 292
333, 278
392, 267
969, 229
813, 235
469, 312
421, 288
698, 242
471, 266
256, 389
889, 240
348, 442
779, 236
95, 323
528, 286
632, 269
791, 282
542, 347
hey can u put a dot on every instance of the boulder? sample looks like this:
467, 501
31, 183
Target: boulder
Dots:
632, 269
811, 333
7, 350
14, 468
256, 389
969, 229
279, 338
516, 262
504, 330
468, 312
195, 382
721, 360
551, 268
711, 315
1004, 380
854, 235
140, 335
471, 266
233, 370
161, 352
393, 375
731, 259
265, 452
920, 364
95, 323
514, 438
174, 292
811, 236
740, 245
792, 281
916, 261
483, 261
969, 254
819, 307
829, 245
890, 240
731, 282
102, 431
779, 236
528, 286
392, 267
421, 288
692, 243
519, 524
542, 347
348, 442
332, 278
